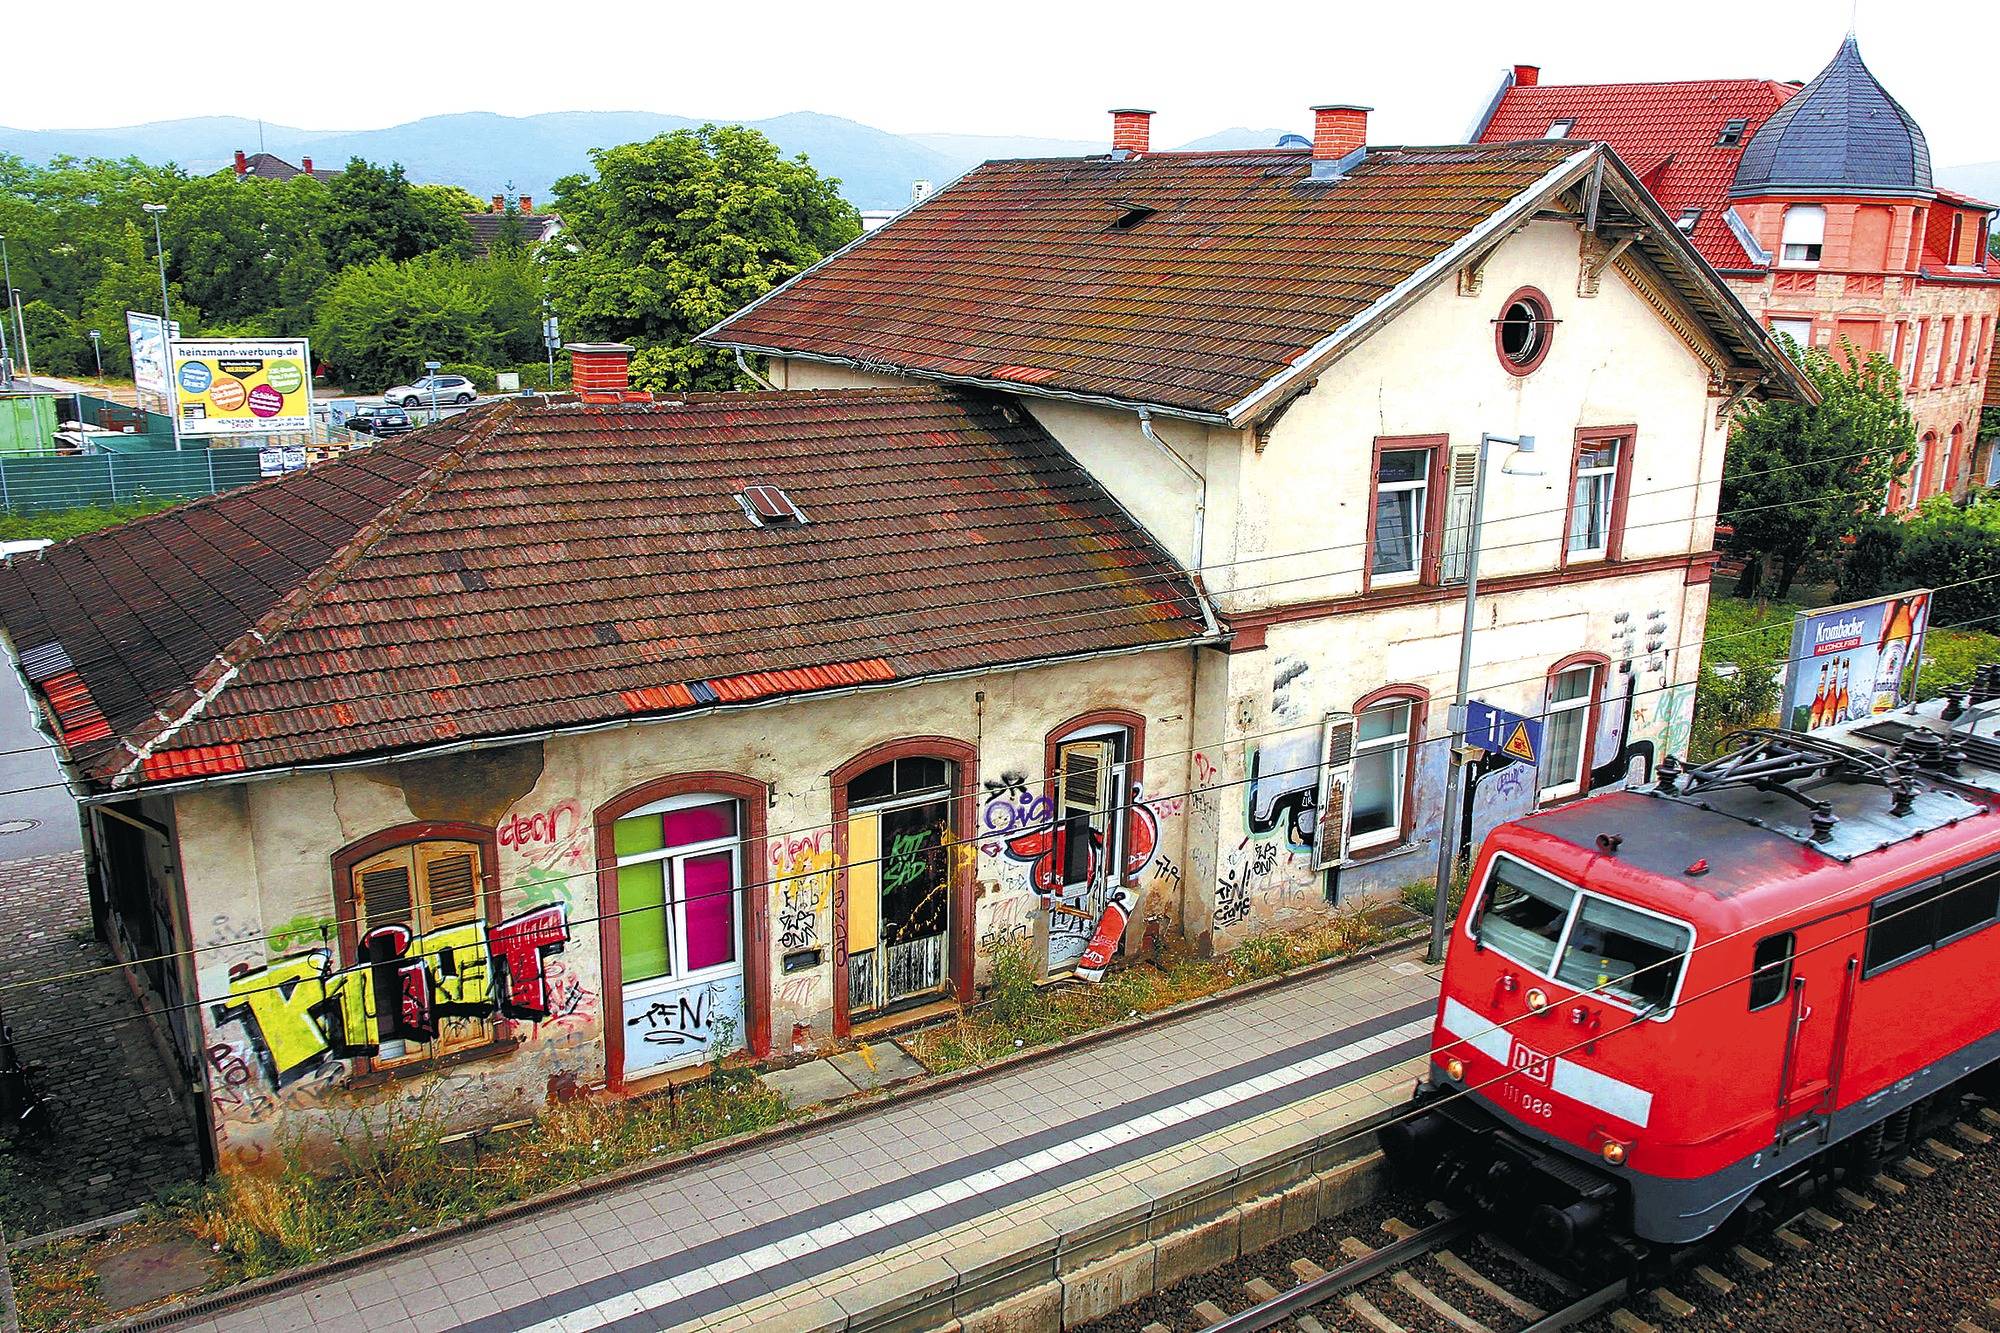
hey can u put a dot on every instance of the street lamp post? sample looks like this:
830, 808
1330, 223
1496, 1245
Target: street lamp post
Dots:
97, 354
431, 374
1447, 846
160, 249
14, 304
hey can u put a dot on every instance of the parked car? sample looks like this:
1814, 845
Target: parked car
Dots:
454, 389
381, 421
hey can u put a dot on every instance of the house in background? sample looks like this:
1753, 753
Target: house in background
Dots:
491, 224
1094, 574
269, 167
1816, 204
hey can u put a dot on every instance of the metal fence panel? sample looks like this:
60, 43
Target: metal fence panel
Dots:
34, 485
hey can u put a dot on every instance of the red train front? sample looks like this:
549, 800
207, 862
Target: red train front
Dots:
1665, 1009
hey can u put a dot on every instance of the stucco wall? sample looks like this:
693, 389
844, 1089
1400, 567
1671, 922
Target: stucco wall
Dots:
257, 859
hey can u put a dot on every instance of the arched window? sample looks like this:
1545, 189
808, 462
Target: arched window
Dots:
1926, 452
1100, 837
1569, 724
1948, 464
685, 977
1389, 726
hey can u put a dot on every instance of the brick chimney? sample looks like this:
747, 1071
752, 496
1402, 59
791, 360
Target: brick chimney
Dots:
306, 165
602, 372
1131, 132
242, 164
1527, 76
1338, 130
499, 203
527, 203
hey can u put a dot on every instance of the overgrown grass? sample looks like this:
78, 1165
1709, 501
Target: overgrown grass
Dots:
1741, 631
1949, 657
390, 1178
60, 524
1017, 1013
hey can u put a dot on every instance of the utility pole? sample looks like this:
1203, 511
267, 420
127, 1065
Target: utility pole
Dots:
1447, 862
14, 303
166, 324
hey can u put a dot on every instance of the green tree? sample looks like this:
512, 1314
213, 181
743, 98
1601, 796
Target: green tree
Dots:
379, 322
1800, 478
674, 234
374, 213
230, 241
130, 280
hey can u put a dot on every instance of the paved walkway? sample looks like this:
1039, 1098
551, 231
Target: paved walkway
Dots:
37, 813
119, 1137
728, 1240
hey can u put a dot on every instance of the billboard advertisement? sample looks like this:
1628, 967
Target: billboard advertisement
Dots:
149, 351
1850, 662
241, 386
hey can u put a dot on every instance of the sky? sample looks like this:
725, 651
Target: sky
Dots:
1017, 67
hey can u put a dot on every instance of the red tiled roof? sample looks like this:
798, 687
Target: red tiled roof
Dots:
526, 568
1016, 273
1667, 131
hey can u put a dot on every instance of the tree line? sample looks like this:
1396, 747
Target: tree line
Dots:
658, 241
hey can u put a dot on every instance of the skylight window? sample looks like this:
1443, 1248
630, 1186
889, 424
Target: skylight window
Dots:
1559, 129
769, 507
1131, 214
1687, 219
1732, 134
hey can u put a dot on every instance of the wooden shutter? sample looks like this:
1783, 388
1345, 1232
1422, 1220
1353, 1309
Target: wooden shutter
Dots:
1336, 778
383, 891
1461, 478
1084, 800
451, 883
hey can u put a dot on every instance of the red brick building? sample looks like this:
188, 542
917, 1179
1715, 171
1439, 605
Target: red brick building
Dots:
1816, 204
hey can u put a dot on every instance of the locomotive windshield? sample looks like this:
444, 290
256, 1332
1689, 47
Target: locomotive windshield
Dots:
1581, 939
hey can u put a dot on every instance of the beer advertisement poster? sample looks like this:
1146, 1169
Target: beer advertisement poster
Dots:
1854, 661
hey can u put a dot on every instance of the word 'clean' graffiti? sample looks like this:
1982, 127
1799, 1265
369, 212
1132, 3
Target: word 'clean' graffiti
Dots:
302, 1010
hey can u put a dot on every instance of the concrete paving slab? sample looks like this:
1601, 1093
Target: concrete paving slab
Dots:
809, 1084
873, 1064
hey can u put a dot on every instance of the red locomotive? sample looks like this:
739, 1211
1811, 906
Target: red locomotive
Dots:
1670, 1008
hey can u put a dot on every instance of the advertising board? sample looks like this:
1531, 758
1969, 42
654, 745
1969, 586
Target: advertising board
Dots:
242, 386
1848, 662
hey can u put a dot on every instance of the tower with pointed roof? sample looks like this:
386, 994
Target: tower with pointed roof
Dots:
1817, 203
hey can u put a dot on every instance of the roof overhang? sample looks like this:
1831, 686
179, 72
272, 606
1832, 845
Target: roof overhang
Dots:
1657, 239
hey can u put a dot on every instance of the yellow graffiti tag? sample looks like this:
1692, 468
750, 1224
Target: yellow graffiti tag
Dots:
456, 959
281, 998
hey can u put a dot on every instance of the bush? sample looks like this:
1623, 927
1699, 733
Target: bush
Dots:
1949, 658
1726, 702
481, 376
1945, 552
1873, 561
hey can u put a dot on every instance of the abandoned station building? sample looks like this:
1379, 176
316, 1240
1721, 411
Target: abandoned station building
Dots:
1091, 574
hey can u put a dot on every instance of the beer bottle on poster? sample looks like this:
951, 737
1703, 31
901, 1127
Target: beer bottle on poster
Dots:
1891, 654
1818, 718
1842, 701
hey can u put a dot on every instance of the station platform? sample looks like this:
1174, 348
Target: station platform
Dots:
1033, 1198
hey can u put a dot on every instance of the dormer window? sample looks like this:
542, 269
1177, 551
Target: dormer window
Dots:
1732, 134
1131, 214
1687, 220
769, 507
1559, 129
1804, 235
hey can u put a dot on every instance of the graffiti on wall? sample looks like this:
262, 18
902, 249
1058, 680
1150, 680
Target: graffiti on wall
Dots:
301, 1010
802, 867
548, 838
1041, 848
1282, 795
1289, 687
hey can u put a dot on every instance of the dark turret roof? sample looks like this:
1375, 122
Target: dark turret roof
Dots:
1842, 134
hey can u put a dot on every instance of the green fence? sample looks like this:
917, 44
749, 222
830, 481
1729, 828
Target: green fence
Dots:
132, 429
27, 423
31, 485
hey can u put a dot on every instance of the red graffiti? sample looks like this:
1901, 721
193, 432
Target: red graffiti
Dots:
546, 826
1045, 849
1204, 770
518, 947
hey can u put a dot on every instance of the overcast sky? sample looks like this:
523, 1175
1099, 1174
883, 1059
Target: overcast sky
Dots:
1015, 67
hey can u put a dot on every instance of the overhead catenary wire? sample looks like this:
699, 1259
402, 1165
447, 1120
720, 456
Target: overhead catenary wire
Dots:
1038, 631
744, 840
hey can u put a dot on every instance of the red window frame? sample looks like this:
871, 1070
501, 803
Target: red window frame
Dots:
1923, 349
1419, 700
1547, 319
1621, 492
1135, 759
1430, 558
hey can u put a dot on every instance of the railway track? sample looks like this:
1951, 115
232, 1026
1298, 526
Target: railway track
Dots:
1451, 1275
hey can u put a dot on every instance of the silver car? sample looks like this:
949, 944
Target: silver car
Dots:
454, 389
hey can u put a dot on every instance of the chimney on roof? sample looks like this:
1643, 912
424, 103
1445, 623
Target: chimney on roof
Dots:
499, 203
527, 203
1340, 136
601, 372
1527, 76
1131, 132
242, 164
306, 165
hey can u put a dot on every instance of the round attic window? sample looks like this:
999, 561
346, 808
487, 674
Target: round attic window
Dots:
1523, 331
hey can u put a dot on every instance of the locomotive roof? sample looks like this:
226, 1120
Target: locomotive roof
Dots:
1865, 797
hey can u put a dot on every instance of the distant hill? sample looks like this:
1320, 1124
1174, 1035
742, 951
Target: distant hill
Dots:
482, 151
1981, 180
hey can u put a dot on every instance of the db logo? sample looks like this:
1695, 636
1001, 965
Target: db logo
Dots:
1527, 1060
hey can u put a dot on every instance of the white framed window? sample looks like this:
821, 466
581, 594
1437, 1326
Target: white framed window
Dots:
1798, 330
1092, 813
1592, 498
1402, 510
680, 900
1381, 776
1565, 731
1686, 221
1559, 129
1804, 235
